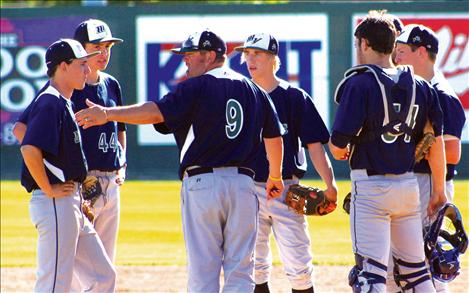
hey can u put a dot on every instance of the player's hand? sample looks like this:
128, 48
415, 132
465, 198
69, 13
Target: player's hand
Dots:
437, 200
94, 115
120, 178
274, 189
331, 195
340, 154
60, 189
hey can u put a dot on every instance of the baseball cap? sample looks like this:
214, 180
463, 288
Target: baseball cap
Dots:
205, 40
397, 22
419, 35
94, 31
65, 50
260, 41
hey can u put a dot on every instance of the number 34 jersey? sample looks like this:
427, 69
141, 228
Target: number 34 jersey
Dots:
219, 119
100, 143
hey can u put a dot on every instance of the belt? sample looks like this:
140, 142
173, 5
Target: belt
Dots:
372, 172
204, 170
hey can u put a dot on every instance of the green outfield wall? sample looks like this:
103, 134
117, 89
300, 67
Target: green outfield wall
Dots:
316, 61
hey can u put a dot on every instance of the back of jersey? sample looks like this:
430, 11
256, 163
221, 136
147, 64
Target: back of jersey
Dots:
219, 119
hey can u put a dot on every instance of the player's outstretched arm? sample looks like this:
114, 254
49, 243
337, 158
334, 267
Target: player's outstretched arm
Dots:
33, 159
274, 150
144, 113
437, 162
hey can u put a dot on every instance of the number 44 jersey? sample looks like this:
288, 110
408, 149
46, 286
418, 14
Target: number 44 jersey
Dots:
100, 144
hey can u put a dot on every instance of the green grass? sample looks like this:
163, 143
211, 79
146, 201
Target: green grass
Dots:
151, 231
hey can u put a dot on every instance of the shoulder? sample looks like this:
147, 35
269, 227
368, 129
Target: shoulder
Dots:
108, 79
49, 98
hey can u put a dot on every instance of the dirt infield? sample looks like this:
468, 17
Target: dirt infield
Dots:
173, 279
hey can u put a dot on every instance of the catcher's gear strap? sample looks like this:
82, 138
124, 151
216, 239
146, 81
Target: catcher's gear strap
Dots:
362, 281
395, 122
400, 278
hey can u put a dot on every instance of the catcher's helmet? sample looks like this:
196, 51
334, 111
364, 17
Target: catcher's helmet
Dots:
443, 245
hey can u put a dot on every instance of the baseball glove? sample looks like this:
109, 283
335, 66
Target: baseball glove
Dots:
305, 200
346, 204
91, 190
423, 146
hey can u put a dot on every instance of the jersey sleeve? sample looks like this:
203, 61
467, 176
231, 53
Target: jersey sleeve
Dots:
435, 114
272, 126
44, 123
24, 116
351, 113
453, 114
177, 106
312, 128
120, 126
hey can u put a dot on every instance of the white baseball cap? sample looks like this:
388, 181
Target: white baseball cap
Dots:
94, 31
262, 41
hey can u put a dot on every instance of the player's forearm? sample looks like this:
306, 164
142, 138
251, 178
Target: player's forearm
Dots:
337, 152
146, 113
452, 149
436, 160
274, 150
322, 164
19, 130
34, 161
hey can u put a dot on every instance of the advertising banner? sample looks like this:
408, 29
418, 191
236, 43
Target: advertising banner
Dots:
303, 53
22, 68
452, 60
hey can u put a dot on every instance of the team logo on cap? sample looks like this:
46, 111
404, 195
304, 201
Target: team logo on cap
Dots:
252, 39
100, 29
273, 47
416, 39
207, 44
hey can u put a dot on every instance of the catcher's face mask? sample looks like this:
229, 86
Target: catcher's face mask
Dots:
445, 240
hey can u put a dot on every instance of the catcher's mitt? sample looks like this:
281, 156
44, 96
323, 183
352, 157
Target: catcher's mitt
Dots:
91, 190
305, 200
346, 204
423, 146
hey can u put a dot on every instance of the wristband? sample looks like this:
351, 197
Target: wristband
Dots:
275, 178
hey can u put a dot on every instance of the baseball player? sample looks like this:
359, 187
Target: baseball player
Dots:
418, 46
305, 128
218, 118
381, 115
104, 146
54, 166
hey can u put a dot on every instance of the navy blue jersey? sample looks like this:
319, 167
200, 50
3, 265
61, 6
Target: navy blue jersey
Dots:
24, 116
303, 126
52, 129
100, 143
453, 119
361, 117
218, 119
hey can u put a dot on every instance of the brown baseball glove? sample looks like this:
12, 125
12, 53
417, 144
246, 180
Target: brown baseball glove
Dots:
91, 190
310, 201
423, 146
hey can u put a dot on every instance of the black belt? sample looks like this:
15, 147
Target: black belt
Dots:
204, 170
370, 172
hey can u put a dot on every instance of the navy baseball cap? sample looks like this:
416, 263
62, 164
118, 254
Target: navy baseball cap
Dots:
65, 50
205, 40
419, 35
260, 41
397, 23
94, 31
